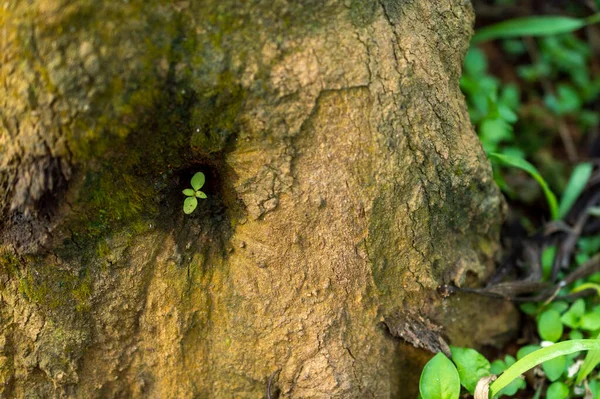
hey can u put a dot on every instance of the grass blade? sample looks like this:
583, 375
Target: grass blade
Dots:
529, 168
579, 178
539, 356
592, 359
530, 26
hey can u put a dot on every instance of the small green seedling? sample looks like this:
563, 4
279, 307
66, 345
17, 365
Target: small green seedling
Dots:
193, 193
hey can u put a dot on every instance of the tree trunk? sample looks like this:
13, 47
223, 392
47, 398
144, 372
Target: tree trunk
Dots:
344, 181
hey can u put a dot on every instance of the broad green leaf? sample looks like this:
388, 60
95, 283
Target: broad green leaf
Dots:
512, 388
540, 356
198, 181
589, 364
559, 306
550, 327
498, 366
575, 334
590, 321
200, 194
439, 379
471, 366
557, 390
554, 367
529, 26
577, 182
189, 205
571, 317
189, 192
526, 350
529, 168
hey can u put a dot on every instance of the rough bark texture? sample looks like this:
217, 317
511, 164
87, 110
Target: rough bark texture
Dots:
345, 185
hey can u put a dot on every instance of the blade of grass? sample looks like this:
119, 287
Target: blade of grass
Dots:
577, 182
529, 168
538, 357
589, 364
532, 26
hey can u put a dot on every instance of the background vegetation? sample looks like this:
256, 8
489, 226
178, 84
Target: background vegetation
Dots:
532, 83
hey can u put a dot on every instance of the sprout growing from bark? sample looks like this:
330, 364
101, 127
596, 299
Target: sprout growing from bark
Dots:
191, 202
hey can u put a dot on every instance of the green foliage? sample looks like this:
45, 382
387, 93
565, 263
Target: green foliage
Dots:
550, 326
577, 182
439, 379
492, 108
471, 366
191, 202
557, 390
592, 359
530, 26
547, 95
498, 367
554, 368
529, 168
540, 356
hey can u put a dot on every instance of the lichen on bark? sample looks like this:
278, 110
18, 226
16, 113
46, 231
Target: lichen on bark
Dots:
345, 185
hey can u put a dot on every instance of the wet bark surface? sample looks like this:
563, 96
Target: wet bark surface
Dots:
345, 185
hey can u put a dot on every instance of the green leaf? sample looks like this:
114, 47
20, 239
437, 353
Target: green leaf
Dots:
198, 181
439, 379
540, 356
529, 308
498, 366
475, 62
200, 194
559, 306
557, 390
529, 26
526, 350
550, 327
589, 364
189, 192
571, 317
577, 182
590, 321
554, 367
189, 205
548, 255
529, 168
471, 366
512, 388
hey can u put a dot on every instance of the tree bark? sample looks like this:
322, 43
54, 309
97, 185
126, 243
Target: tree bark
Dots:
345, 185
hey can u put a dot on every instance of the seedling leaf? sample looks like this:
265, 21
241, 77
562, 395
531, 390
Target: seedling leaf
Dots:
189, 192
198, 181
200, 194
439, 379
189, 205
